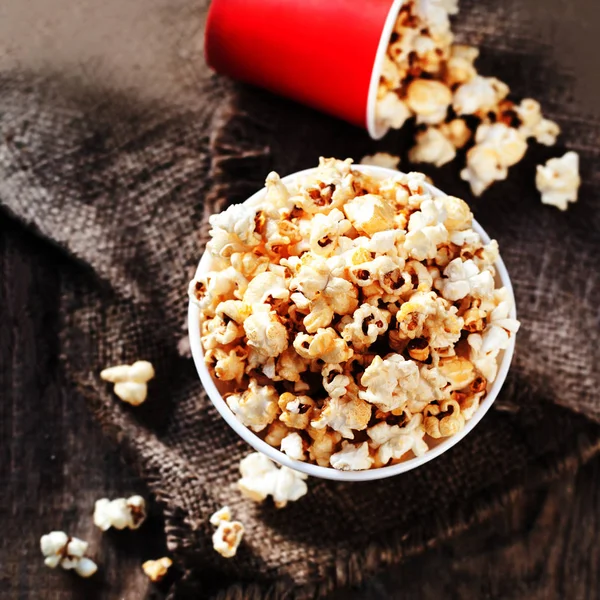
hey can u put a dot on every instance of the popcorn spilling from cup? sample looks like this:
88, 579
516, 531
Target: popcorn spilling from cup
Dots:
427, 76
353, 320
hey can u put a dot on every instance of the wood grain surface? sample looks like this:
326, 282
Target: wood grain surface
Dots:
54, 463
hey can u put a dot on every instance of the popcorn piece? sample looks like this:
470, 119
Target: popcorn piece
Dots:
227, 366
325, 344
432, 147
290, 365
558, 180
426, 230
389, 382
345, 415
393, 441
265, 332
156, 570
296, 411
479, 96
533, 125
276, 431
237, 225
352, 457
370, 214
366, 325
456, 132
261, 478
130, 381
227, 538
277, 194
429, 100
462, 278
497, 147
263, 287
223, 514
121, 513
484, 348
391, 112
334, 381
460, 66
60, 549
427, 315
293, 446
443, 420
381, 159
324, 443
459, 372
256, 407
326, 230
323, 293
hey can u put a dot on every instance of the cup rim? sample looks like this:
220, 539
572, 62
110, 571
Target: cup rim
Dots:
375, 130
329, 472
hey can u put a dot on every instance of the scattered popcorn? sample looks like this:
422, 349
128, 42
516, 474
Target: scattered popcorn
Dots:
261, 477
157, 569
121, 513
432, 147
381, 159
130, 380
377, 330
558, 180
228, 535
68, 552
427, 77
497, 147
429, 100
533, 125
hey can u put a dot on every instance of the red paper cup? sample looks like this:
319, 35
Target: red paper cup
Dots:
327, 54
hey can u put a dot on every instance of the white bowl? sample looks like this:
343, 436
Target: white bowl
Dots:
329, 472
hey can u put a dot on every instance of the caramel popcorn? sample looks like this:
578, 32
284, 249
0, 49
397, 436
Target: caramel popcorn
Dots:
426, 76
156, 570
356, 345
228, 535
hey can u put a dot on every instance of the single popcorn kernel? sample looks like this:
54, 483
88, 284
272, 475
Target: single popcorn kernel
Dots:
357, 317
121, 513
156, 570
130, 381
68, 552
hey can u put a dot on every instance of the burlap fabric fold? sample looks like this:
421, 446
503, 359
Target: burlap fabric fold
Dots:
124, 186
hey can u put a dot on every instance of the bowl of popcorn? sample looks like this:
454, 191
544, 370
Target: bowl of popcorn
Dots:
351, 322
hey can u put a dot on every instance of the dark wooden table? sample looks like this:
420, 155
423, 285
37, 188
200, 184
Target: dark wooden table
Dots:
55, 463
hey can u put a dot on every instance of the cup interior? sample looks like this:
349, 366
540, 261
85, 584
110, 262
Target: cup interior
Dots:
437, 448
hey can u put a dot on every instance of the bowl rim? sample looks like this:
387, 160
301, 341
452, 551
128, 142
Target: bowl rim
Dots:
329, 472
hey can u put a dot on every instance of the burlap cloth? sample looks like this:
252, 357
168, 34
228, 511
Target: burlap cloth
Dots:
123, 174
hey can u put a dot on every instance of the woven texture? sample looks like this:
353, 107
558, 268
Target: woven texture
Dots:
124, 184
